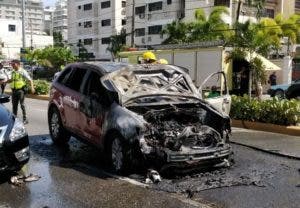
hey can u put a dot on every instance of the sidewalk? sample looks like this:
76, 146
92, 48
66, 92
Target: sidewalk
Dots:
274, 143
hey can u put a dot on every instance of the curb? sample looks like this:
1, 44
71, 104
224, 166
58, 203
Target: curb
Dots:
289, 130
266, 151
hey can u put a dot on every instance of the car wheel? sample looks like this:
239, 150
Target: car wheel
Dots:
279, 94
58, 133
119, 155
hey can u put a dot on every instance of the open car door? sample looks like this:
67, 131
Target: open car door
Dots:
214, 90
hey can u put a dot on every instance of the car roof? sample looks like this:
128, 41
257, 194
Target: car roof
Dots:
106, 67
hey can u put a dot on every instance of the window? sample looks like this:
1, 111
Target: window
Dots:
74, 79
79, 24
11, 28
87, 24
88, 41
155, 6
140, 10
105, 4
123, 4
169, 1
222, 3
64, 76
139, 32
79, 7
269, 13
123, 21
105, 40
154, 29
87, 7
105, 22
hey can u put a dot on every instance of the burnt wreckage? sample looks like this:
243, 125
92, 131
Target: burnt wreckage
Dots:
166, 116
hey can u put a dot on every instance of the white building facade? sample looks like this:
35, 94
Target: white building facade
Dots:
48, 20
11, 37
60, 18
12, 10
92, 22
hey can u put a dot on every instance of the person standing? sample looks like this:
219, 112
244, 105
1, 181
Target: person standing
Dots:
272, 79
3, 77
18, 84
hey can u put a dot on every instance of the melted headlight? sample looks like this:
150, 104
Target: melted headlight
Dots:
18, 131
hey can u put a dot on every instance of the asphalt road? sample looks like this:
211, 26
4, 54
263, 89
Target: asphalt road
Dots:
76, 177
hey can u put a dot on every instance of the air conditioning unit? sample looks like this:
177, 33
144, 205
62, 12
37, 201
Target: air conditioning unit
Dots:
149, 39
141, 16
123, 12
143, 40
149, 16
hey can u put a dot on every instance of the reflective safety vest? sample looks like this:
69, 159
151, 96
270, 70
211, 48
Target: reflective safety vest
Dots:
17, 80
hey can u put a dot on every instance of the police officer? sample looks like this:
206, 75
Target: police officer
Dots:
18, 84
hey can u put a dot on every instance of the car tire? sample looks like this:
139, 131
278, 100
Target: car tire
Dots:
119, 155
279, 94
58, 133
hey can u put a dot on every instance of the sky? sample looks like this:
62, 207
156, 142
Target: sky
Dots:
49, 2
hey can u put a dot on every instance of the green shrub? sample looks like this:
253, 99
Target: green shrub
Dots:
41, 87
281, 112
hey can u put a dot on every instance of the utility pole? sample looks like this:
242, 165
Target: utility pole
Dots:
23, 24
31, 40
132, 23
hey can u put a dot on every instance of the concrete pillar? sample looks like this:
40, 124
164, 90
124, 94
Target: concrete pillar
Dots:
287, 70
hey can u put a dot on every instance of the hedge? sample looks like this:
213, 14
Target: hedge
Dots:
275, 111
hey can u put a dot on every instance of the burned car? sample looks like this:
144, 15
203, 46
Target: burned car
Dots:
138, 112
14, 143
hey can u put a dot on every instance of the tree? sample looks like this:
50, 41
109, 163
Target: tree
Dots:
177, 32
259, 5
203, 28
246, 44
52, 57
58, 39
117, 42
212, 27
290, 28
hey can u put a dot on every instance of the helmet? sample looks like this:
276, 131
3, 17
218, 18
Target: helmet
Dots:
149, 56
163, 61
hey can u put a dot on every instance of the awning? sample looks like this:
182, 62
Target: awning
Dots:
268, 64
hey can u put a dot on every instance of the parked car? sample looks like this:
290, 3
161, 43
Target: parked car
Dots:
139, 112
293, 91
280, 90
14, 143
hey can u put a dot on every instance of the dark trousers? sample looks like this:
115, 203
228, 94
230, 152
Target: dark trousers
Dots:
18, 96
2, 88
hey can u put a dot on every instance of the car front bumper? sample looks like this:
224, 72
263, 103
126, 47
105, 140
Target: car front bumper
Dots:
13, 155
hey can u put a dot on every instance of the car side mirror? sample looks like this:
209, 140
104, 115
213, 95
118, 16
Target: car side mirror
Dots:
4, 98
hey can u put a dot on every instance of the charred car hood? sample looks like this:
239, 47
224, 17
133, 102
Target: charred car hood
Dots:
140, 84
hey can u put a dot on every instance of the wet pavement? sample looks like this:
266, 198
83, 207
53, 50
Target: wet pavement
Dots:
77, 177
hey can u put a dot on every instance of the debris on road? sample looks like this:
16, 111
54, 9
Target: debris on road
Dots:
20, 179
152, 176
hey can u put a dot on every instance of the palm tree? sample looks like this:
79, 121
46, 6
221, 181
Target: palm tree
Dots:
290, 28
177, 32
117, 42
210, 27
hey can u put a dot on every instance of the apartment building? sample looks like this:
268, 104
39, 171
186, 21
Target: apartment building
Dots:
92, 22
11, 37
150, 16
60, 18
48, 20
12, 10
